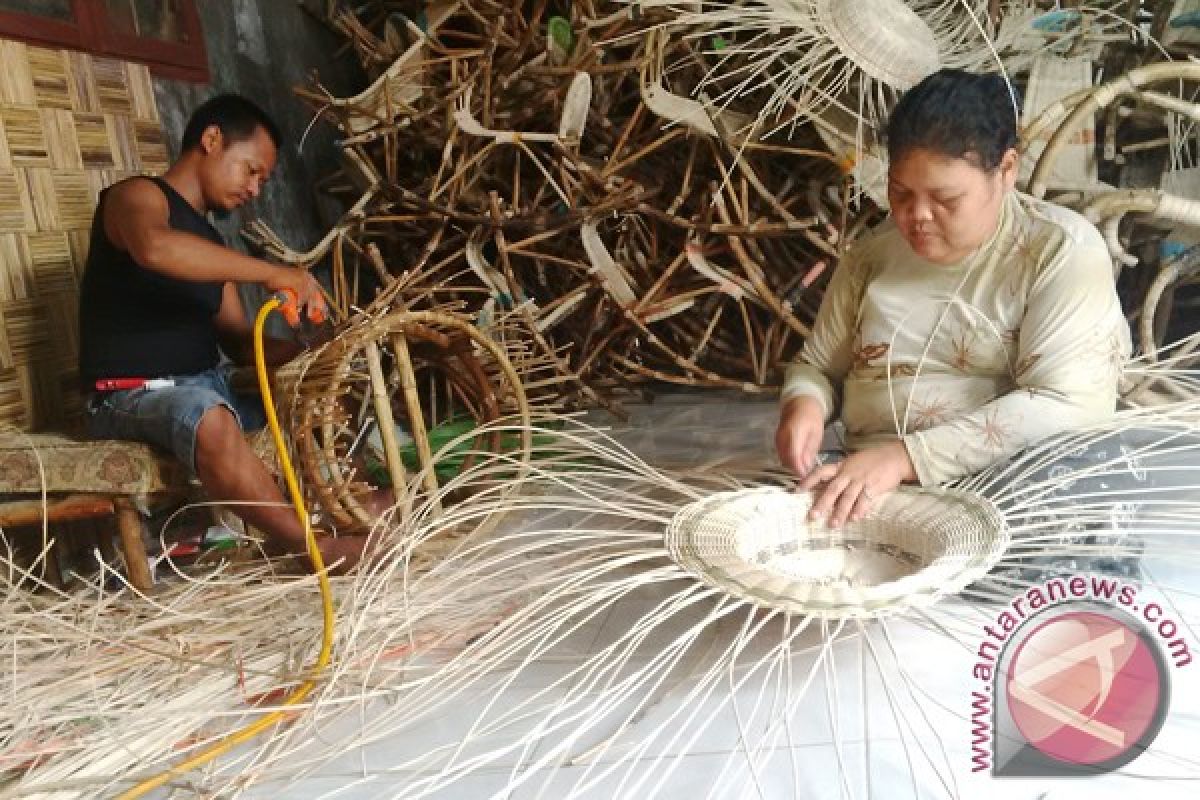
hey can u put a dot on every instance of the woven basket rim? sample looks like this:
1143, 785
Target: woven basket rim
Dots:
965, 559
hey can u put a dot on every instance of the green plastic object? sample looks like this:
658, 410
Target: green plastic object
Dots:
449, 464
559, 32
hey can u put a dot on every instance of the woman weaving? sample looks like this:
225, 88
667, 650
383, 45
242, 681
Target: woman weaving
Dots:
975, 322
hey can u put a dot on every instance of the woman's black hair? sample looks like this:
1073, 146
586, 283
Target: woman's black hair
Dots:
237, 117
958, 114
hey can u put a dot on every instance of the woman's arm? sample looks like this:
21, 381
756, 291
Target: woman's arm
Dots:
811, 385
828, 351
1072, 344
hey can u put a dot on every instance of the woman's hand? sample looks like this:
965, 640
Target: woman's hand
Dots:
849, 487
798, 437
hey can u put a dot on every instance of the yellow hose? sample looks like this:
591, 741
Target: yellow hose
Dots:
303, 690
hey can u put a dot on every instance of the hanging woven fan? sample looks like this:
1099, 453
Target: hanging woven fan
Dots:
805, 54
888, 41
838, 63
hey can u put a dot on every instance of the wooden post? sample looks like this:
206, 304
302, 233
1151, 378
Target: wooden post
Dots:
129, 527
416, 419
384, 419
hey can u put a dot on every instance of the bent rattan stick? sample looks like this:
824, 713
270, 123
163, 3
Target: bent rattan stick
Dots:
1098, 99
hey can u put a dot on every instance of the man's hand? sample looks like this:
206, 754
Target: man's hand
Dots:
798, 437
850, 487
308, 291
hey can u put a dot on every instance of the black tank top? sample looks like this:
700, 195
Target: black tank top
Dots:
137, 323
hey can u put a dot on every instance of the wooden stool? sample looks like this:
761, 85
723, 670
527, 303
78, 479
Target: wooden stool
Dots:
87, 480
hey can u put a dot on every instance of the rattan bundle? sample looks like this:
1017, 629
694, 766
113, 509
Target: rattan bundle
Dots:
1081, 109
535, 173
473, 660
1133, 220
640, 185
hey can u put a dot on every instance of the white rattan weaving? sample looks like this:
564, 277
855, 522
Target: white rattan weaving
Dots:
915, 547
884, 38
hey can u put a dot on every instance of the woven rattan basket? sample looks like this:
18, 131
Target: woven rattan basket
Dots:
915, 547
884, 38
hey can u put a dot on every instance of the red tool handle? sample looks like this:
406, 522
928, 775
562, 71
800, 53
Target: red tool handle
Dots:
118, 384
288, 306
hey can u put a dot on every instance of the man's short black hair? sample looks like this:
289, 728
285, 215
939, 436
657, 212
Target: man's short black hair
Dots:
958, 114
237, 117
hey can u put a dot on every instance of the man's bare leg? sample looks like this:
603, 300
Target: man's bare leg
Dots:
229, 470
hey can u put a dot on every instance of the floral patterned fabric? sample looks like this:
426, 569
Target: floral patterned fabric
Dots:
108, 467
971, 362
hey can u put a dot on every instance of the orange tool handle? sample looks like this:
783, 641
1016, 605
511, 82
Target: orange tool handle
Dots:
288, 306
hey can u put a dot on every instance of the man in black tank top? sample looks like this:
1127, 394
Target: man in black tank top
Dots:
159, 299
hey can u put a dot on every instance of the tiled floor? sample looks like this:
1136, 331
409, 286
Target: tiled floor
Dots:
904, 737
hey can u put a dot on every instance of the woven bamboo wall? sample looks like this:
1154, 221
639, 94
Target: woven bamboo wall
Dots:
70, 124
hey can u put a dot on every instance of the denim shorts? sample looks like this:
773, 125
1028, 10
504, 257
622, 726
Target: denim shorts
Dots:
169, 418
